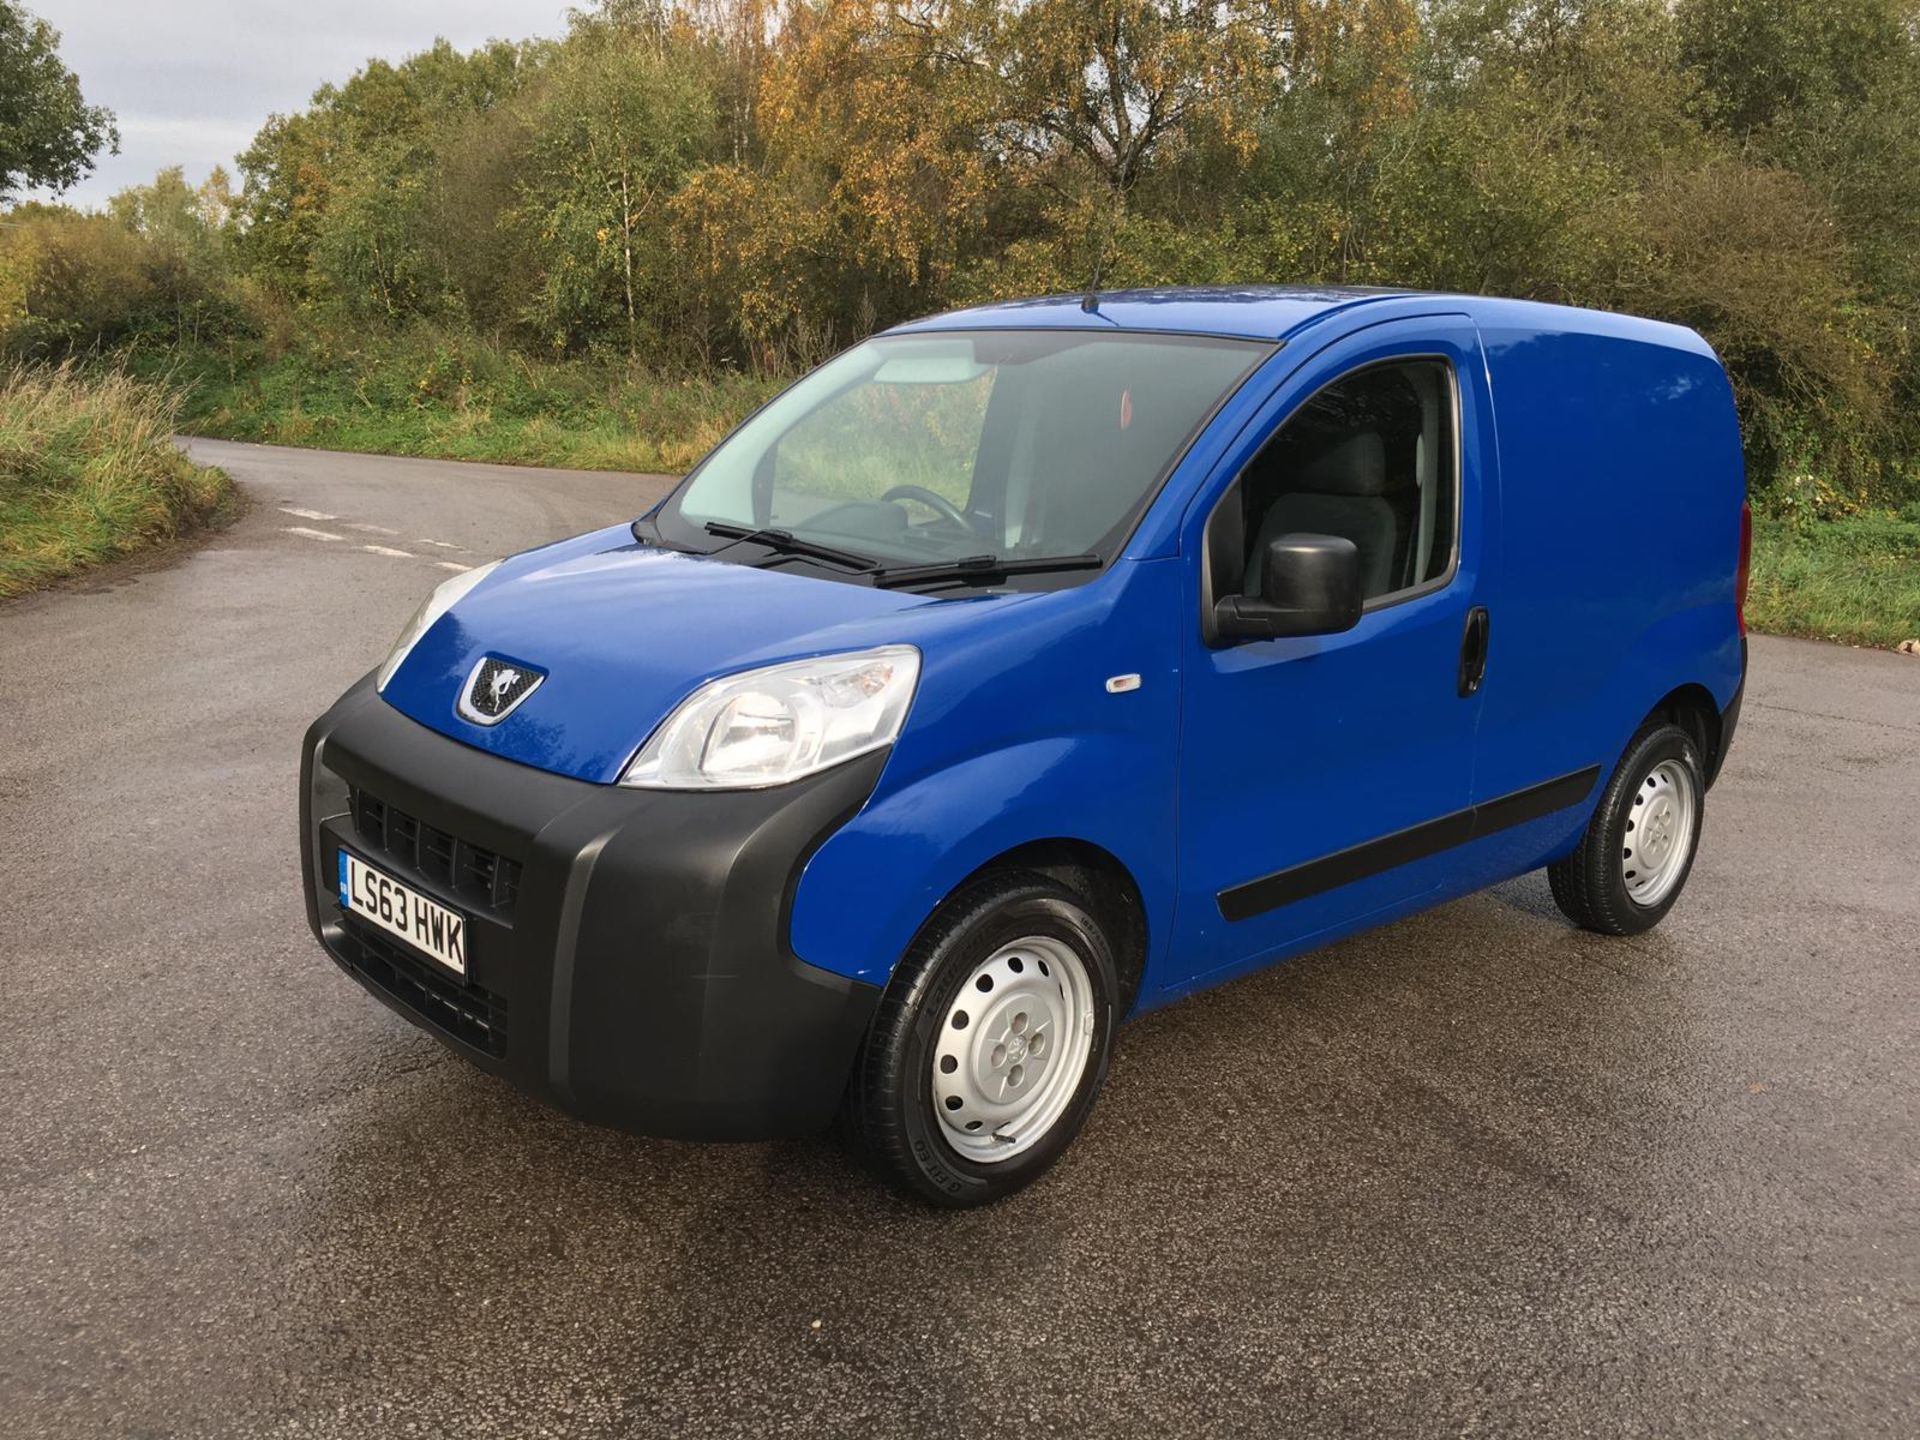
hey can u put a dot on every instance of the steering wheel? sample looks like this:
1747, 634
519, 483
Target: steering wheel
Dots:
942, 506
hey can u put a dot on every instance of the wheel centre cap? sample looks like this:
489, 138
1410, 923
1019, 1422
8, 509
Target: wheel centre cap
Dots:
1016, 1049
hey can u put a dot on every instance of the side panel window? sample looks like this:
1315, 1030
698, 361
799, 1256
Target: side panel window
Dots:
1372, 458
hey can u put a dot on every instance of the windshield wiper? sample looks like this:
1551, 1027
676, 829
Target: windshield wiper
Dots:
984, 569
785, 542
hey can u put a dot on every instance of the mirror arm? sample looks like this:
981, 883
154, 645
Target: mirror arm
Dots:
1242, 617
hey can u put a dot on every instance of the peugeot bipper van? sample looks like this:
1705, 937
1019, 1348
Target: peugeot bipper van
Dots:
1026, 668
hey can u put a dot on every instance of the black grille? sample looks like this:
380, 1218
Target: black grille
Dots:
467, 870
498, 686
468, 1012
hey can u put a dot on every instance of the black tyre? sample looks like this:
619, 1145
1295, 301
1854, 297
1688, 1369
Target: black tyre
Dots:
989, 1046
1634, 860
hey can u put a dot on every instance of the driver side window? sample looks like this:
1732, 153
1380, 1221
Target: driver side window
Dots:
1371, 458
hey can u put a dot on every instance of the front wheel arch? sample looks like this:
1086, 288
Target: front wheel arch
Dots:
1104, 884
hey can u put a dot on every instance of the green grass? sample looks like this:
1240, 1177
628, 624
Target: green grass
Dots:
89, 473
456, 397
1855, 580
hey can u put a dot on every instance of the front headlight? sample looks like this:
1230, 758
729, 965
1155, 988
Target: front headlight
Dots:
438, 603
767, 727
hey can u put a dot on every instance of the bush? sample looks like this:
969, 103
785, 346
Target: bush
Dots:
153, 273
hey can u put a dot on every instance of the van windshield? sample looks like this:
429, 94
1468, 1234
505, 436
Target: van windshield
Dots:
922, 450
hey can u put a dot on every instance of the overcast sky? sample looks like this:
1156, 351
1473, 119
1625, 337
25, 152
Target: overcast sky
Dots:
192, 80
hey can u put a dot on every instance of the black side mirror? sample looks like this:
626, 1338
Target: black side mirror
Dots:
1309, 585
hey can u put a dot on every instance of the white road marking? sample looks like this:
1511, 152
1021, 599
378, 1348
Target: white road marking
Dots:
306, 514
310, 534
443, 544
370, 529
388, 550
449, 565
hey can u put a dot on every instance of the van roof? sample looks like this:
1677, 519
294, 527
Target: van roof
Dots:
1276, 312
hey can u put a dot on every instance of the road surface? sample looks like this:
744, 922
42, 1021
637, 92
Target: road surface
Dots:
1475, 1173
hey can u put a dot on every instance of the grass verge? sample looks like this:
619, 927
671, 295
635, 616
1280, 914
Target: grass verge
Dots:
1855, 580
89, 473
455, 397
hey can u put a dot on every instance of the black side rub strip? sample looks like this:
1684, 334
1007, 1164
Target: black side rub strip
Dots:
1403, 847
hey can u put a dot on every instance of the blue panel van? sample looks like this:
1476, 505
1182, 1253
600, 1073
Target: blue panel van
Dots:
1028, 667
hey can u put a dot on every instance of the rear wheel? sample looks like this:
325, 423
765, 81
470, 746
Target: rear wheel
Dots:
990, 1044
1639, 846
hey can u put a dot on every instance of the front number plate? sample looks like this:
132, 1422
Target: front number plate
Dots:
382, 900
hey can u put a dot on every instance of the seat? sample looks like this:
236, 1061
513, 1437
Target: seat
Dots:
1340, 489
1103, 420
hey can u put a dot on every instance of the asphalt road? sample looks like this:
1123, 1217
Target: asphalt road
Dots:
1475, 1173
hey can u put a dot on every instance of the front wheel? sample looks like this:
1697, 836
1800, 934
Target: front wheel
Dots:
990, 1044
1638, 850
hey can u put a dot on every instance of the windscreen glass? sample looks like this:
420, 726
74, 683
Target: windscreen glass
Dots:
938, 447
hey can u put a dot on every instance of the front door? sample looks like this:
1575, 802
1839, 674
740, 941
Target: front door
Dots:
1323, 779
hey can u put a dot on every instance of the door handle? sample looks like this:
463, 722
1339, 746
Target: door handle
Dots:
1473, 651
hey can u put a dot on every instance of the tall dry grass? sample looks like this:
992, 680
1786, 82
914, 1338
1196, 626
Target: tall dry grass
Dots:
89, 473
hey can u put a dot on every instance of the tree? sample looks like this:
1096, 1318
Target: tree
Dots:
183, 252
336, 199
1782, 62
616, 122
1111, 82
48, 133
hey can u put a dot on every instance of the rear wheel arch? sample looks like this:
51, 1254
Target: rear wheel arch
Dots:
1693, 708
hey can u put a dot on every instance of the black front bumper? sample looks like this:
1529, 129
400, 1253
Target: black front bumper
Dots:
627, 954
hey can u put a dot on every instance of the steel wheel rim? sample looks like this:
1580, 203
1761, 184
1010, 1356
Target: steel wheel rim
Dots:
1011, 1053
1659, 834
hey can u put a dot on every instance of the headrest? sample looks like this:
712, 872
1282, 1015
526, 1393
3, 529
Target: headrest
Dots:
1356, 465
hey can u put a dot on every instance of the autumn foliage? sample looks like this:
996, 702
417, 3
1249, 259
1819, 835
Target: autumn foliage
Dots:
688, 185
